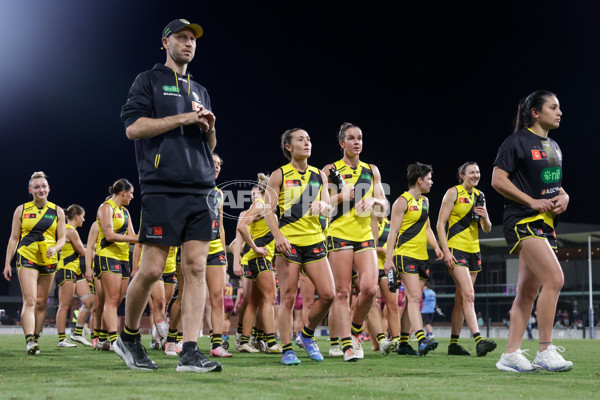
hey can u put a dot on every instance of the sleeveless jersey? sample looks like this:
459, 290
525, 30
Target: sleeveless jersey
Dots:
298, 191
462, 230
412, 237
345, 223
384, 234
228, 293
216, 245
38, 232
262, 237
69, 258
120, 221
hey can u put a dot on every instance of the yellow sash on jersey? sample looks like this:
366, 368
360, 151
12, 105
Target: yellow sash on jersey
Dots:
462, 230
38, 233
69, 258
412, 237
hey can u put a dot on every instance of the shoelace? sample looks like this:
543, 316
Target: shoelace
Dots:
553, 350
524, 352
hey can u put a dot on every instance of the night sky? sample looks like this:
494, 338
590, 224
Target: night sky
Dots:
425, 83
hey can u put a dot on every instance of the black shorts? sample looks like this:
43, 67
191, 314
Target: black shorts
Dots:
382, 275
468, 260
247, 273
427, 318
412, 266
258, 265
107, 264
22, 262
169, 279
335, 243
218, 259
514, 234
306, 254
63, 275
170, 219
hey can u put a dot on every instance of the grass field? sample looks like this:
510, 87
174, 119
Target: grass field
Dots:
81, 373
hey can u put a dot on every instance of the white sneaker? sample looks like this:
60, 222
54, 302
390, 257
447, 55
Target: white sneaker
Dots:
247, 348
275, 349
350, 355
387, 346
179, 346
162, 327
170, 349
32, 348
357, 345
64, 343
515, 362
335, 351
238, 338
550, 360
80, 339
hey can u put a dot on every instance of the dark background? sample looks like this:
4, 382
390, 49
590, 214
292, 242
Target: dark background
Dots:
436, 84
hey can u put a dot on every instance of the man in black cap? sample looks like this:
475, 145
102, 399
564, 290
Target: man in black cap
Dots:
169, 117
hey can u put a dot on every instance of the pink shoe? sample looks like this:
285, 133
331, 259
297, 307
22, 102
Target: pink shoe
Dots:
220, 352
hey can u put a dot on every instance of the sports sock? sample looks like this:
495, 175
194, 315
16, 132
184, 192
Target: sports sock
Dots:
334, 341
216, 340
346, 343
271, 340
308, 333
172, 336
61, 336
404, 338
454, 339
356, 329
380, 337
420, 336
477, 337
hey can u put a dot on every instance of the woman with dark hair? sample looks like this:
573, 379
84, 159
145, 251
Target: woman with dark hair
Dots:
70, 280
299, 241
256, 234
463, 210
528, 173
115, 232
37, 235
350, 241
410, 232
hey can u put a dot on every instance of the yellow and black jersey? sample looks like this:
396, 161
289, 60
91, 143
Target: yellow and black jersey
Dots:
171, 262
462, 230
384, 234
262, 237
69, 258
120, 221
38, 233
298, 191
412, 236
345, 223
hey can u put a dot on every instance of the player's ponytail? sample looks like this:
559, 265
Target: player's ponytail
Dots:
534, 101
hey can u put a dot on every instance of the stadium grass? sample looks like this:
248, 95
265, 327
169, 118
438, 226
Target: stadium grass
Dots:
78, 373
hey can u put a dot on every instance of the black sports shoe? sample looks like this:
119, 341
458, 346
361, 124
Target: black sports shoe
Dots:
426, 346
195, 361
455, 349
484, 347
134, 354
405, 349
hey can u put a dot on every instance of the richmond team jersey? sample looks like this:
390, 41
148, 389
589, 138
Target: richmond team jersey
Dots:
120, 221
38, 232
69, 258
412, 236
534, 166
262, 237
216, 244
298, 191
345, 223
384, 234
462, 230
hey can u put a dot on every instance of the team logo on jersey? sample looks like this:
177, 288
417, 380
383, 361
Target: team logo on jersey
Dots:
154, 232
292, 182
413, 208
463, 200
347, 176
551, 174
27, 216
539, 155
117, 215
116, 267
221, 257
196, 106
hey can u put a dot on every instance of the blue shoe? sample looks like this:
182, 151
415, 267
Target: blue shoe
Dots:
289, 358
311, 348
426, 346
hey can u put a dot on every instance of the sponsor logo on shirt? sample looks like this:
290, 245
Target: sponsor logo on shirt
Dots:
463, 200
170, 89
196, 106
539, 155
27, 216
551, 190
49, 216
413, 208
551, 174
292, 182
154, 232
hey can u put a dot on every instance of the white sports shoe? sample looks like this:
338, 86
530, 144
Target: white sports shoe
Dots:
80, 339
357, 345
64, 343
515, 362
162, 327
32, 348
387, 346
247, 348
238, 338
350, 355
275, 349
550, 360
335, 351
170, 349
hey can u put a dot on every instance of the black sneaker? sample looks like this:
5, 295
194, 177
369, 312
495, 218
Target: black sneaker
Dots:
195, 361
455, 349
426, 346
484, 347
405, 349
134, 354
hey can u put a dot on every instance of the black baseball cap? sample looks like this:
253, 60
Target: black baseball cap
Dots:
178, 24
